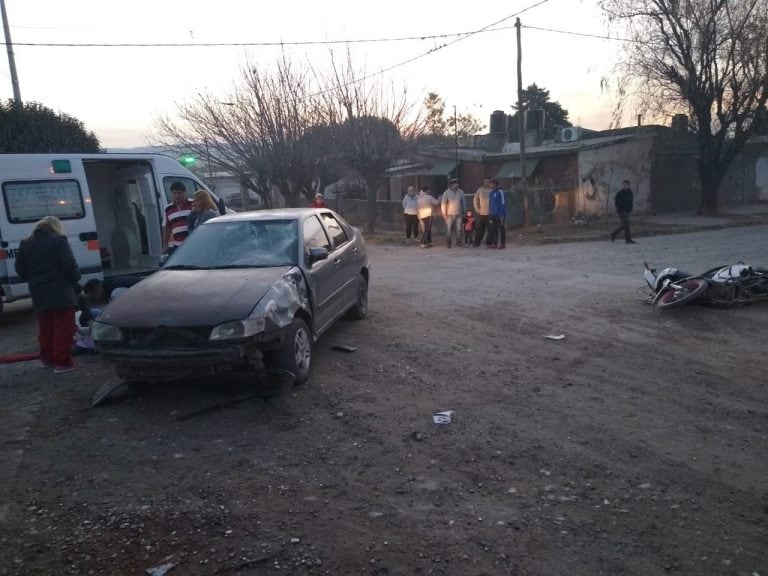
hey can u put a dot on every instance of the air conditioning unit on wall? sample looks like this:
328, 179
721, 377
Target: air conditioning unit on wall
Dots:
570, 134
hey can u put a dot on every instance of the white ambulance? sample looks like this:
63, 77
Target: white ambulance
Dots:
111, 207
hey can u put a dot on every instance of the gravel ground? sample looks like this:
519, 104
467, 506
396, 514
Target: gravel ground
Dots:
634, 445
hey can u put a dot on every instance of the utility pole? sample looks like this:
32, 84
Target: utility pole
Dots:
521, 121
11, 59
456, 140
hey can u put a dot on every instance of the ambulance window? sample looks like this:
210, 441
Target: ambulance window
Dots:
190, 185
31, 201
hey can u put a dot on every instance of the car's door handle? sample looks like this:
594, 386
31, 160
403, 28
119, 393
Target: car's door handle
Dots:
337, 262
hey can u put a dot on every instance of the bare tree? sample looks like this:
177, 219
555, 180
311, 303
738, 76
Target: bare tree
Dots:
376, 124
706, 58
299, 128
255, 132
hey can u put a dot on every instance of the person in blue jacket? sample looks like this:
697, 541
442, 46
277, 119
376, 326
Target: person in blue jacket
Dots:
497, 203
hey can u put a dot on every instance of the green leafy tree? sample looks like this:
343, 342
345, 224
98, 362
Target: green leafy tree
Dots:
30, 127
705, 58
555, 116
435, 112
442, 129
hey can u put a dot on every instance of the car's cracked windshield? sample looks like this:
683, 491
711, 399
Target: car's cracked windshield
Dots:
239, 244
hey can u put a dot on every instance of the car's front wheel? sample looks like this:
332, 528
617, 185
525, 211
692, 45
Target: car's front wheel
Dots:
296, 356
360, 309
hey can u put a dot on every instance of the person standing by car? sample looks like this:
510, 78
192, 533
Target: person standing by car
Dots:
203, 209
176, 221
452, 206
480, 202
497, 207
45, 261
623, 203
318, 202
426, 203
411, 212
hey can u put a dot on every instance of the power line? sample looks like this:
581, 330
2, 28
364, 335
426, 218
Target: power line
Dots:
584, 34
433, 50
489, 28
229, 44
457, 35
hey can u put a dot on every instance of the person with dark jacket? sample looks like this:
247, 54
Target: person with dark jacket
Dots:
45, 262
497, 206
623, 202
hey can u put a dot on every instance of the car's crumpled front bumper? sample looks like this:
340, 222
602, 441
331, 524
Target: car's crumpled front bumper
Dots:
180, 353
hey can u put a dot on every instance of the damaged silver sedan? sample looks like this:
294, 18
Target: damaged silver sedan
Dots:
248, 291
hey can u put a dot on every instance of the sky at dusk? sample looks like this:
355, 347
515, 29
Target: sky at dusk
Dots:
119, 92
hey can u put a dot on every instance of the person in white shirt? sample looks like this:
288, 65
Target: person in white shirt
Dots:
411, 211
453, 208
482, 210
426, 202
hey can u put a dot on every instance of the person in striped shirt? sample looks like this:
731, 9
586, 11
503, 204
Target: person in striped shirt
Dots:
176, 221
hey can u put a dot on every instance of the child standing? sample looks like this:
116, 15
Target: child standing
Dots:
469, 228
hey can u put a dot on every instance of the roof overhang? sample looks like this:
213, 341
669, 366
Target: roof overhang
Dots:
512, 168
442, 169
439, 169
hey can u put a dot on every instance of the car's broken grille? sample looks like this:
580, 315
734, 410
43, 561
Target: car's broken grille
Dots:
165, 337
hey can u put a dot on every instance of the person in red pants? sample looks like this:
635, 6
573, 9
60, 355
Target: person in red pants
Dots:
45, 261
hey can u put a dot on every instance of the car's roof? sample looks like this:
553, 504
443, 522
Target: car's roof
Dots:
271, 214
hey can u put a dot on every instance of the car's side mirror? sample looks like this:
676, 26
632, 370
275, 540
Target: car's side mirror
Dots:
163, 260
316, 254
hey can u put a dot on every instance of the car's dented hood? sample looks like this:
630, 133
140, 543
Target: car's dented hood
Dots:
191, 297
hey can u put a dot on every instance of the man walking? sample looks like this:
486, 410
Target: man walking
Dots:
480, 202
623, 202
452, 207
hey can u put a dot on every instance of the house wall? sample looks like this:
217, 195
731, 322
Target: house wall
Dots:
556, 181
761, 178
747, 178
398, 186
675, 183
601, 171
471, 176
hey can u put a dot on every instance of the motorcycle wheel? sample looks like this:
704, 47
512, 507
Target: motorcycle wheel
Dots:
686, 292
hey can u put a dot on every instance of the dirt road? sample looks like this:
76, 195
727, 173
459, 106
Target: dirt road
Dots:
635, 445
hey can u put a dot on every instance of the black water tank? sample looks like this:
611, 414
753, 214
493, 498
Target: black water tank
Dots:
498, 122
534, 119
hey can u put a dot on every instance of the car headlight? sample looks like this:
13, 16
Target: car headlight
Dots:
103, 332
237, 329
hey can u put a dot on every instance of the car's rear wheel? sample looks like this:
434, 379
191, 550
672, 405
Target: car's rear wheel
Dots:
360, 309
296, 356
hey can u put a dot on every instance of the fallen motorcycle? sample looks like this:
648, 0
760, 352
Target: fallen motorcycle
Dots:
725, 286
